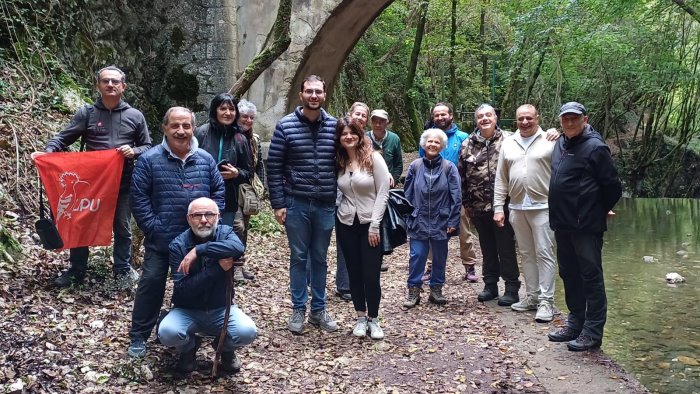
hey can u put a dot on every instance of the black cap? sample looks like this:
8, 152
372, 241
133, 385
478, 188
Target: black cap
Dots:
572, 107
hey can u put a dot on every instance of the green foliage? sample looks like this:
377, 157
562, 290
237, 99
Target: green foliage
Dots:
264, 223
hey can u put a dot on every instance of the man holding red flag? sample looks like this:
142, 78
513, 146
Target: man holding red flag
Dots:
108, 124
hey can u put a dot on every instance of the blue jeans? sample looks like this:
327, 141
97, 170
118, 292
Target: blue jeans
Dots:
149, 293
121, 227
178, 328
309, 225
418, 257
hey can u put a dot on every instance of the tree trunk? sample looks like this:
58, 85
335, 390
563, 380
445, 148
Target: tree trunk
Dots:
414, 116
690, 10
453, 45
484, 59
278, 40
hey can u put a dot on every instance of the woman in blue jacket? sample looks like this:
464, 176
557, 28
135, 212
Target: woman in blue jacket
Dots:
433, 187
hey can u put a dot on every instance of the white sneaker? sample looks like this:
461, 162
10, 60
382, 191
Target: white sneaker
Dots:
545, 312
528, 303
360, 329
375, 332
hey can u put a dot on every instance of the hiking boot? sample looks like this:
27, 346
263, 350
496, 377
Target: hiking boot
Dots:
564, 334
360, 329
238, 274
375, 332
470, 276
230, 362
426, 277
137, 348
69, 277
508, 298
187, 362
583, 342
384, 267
296, 321
528, 303
545, 312
344, 295
489, 293
413, 297
436, 296
126, 280
323, 320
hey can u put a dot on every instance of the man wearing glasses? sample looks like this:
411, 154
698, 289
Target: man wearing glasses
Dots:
166, 179
301, 179
108, 124
199, 258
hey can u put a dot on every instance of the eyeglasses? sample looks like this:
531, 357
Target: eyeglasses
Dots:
310, 92
209, 216
106, 81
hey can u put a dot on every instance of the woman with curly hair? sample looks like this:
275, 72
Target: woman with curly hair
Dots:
363, 180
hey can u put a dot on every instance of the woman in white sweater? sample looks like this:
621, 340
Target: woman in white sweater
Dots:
363, 180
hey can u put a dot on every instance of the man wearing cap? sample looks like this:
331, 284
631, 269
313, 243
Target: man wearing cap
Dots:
583, 188
443, 119
386, 142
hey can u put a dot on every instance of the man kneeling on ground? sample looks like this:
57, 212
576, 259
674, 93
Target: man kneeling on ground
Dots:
199, 259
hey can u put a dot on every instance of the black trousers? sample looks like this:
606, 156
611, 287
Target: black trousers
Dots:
498, 251
581, 269
149, 293
364, 263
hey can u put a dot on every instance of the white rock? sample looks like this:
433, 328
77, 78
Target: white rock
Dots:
673, 277
97, 324
16, 386
648, 259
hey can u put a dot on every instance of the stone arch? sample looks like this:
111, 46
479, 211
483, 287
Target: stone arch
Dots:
333, 42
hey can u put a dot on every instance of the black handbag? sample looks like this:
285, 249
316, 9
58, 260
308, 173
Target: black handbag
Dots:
393, 226
45, 226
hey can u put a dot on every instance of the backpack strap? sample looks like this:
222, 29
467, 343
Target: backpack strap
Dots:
88, 109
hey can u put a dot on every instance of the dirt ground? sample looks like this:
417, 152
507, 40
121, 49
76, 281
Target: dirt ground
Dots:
75, 340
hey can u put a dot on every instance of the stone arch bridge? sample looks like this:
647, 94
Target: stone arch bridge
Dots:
231, 32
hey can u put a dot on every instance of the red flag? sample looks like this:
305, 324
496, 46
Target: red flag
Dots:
82, 188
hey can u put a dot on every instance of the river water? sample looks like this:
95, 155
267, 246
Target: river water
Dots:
653, 328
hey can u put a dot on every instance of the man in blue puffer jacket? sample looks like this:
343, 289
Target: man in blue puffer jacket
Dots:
165, 180
301, 179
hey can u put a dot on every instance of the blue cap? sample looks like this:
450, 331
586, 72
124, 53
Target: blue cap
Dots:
572, 107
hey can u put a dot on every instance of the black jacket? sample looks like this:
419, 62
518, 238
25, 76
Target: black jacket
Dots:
584, 185
204, 288
301, 161
234, 148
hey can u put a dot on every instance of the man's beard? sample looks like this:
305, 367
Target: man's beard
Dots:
204, 232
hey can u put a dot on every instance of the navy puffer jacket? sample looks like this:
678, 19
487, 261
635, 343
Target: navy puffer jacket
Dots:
163, 186
301, 161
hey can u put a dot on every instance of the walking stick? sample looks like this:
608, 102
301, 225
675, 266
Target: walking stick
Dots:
224, 329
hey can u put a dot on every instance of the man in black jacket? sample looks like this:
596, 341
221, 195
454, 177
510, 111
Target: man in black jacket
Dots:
109, 124
302, 183
199, 258
583, 188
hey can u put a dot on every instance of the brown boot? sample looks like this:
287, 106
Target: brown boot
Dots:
413, 297
436, 296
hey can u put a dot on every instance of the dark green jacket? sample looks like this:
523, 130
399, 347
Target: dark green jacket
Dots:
391, 151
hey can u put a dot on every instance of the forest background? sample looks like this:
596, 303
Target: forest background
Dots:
633, 64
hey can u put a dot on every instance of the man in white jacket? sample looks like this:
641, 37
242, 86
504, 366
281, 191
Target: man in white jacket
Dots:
523, 173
